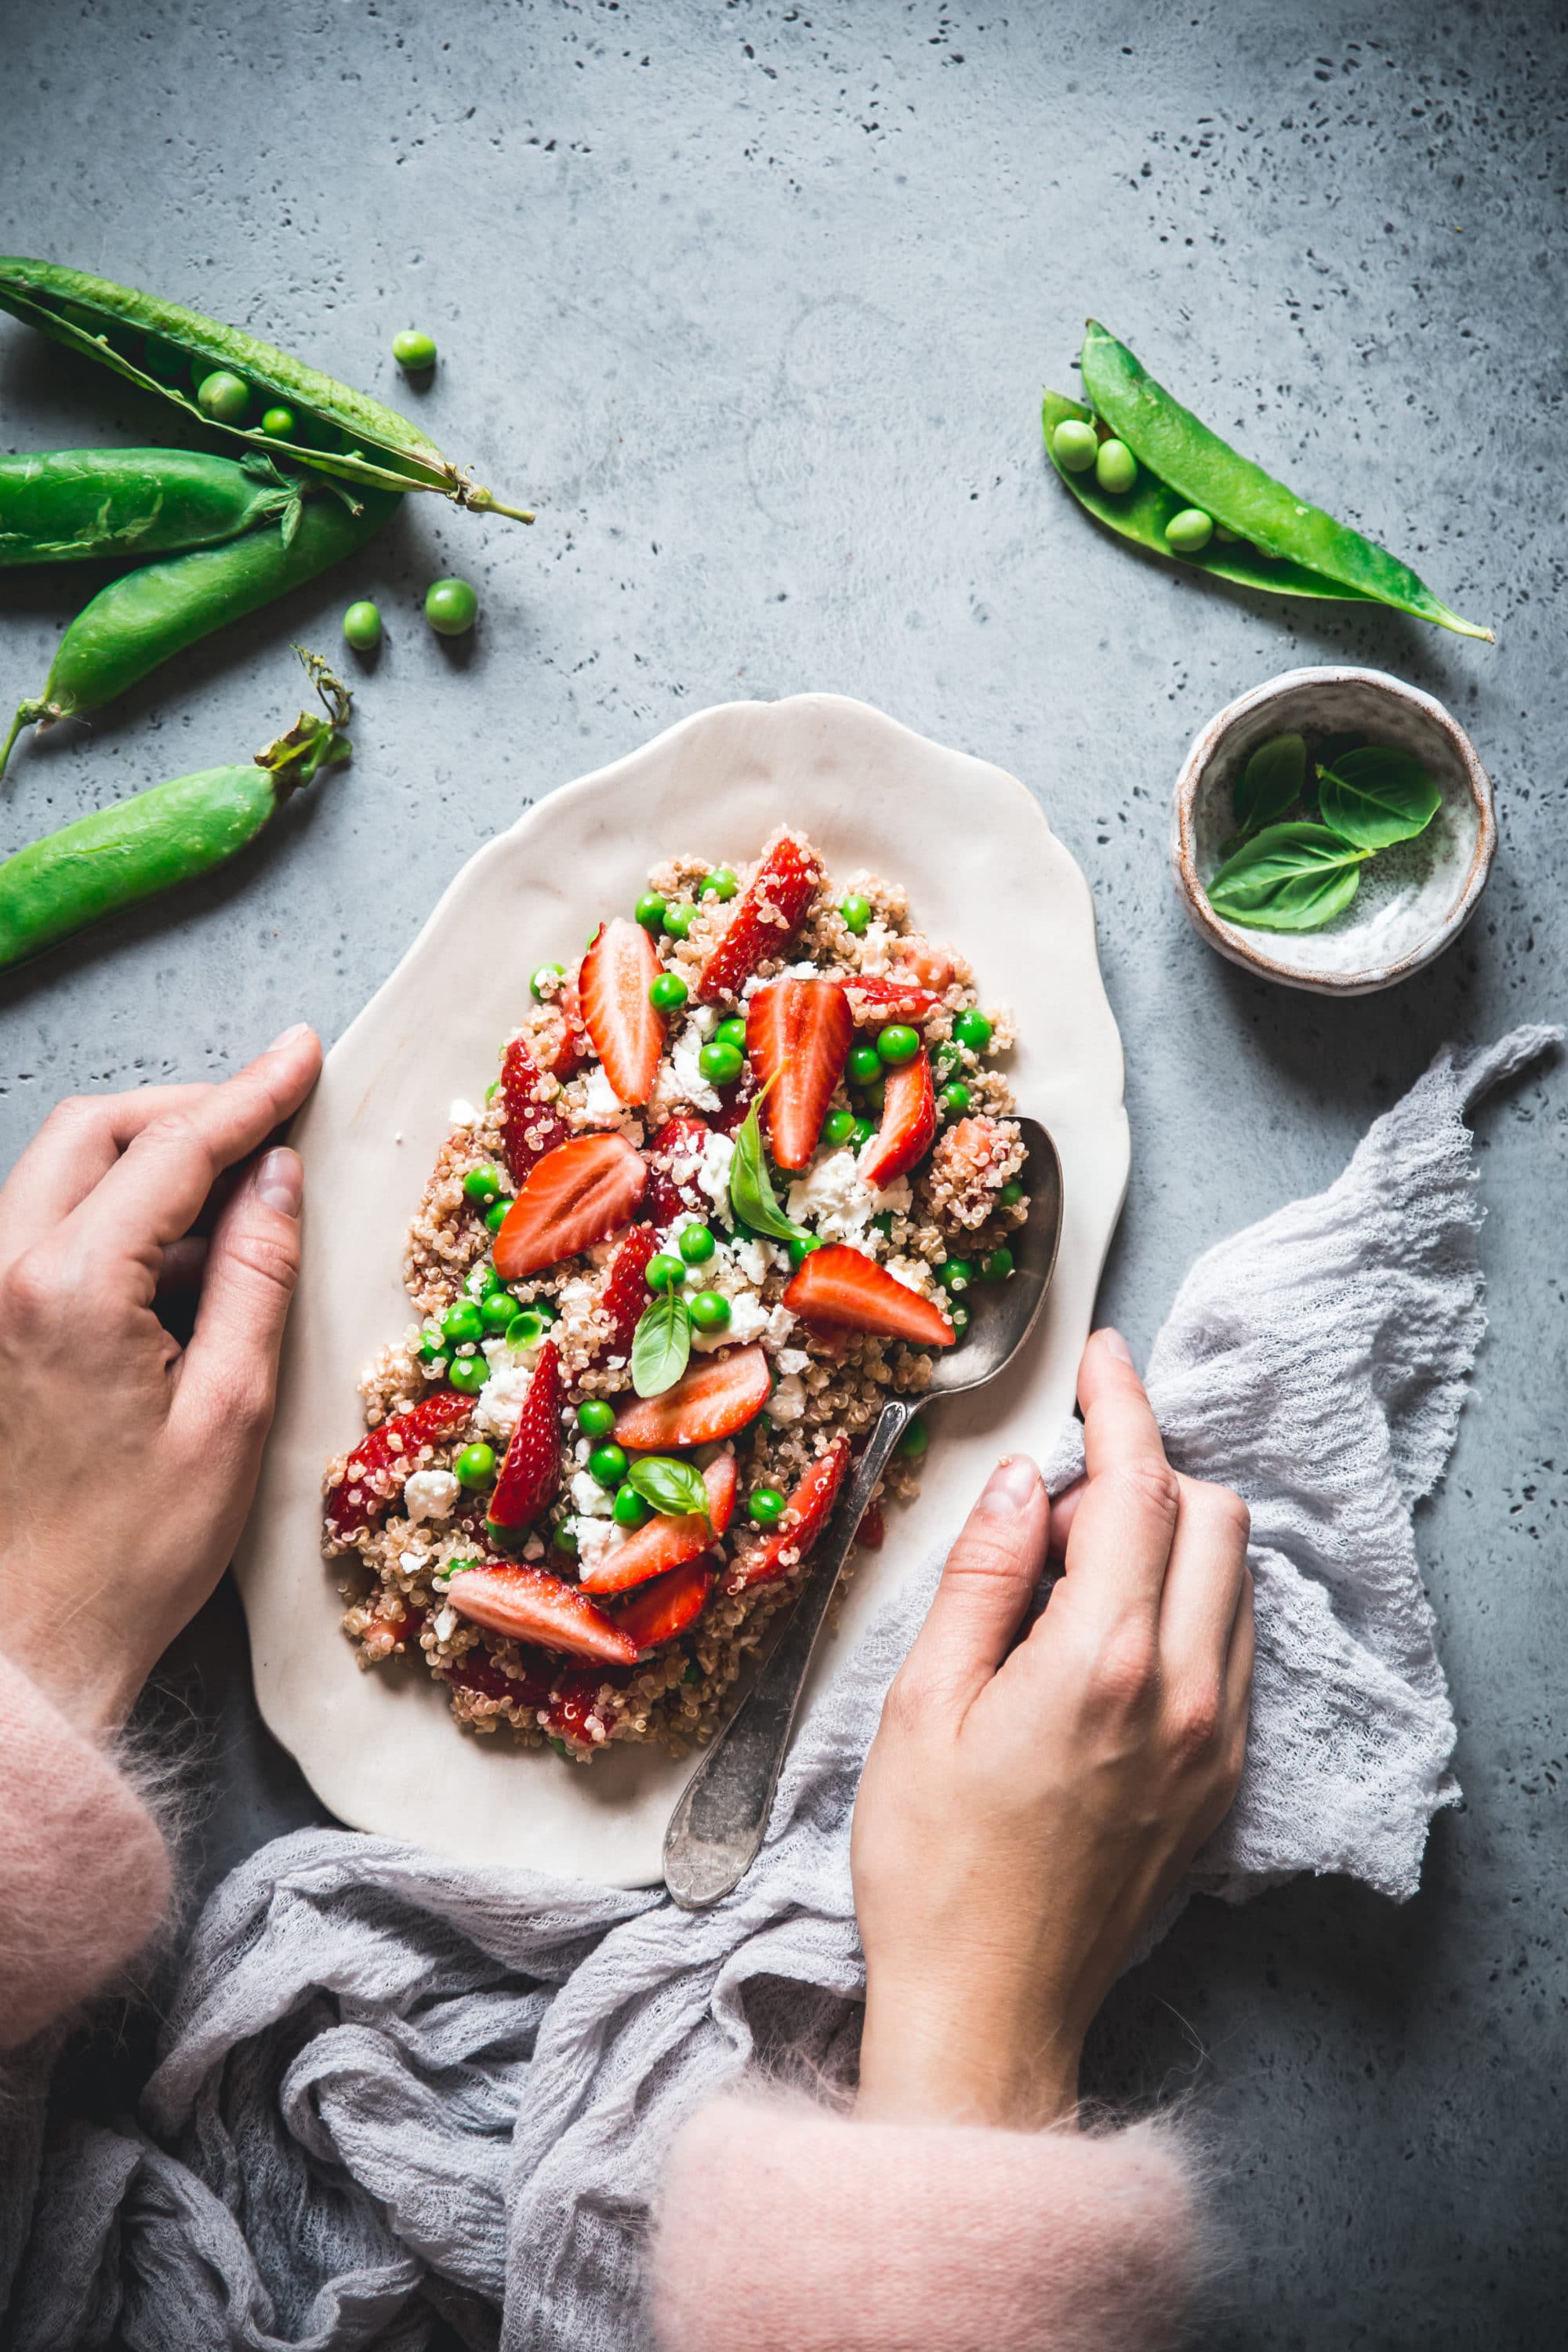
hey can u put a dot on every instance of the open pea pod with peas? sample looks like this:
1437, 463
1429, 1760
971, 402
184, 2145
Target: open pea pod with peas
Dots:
222, 377
1150, 470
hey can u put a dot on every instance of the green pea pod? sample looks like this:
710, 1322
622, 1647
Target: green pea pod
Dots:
60, 506
163, 837
167, 349
1205, 472
142, 618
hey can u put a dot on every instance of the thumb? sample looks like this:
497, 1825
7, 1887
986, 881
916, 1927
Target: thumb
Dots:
986, 1582
230, 1369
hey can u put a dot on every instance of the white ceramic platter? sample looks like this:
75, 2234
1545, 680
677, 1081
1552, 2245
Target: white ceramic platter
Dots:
984, 871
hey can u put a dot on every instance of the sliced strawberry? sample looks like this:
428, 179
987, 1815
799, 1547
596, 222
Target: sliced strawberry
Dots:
932, 965
797, 1034
575, 1715
876, 997
533, 1125
374, 1472
625, 1294
673, 1156
805, 1514
476, 1670
850, 1292
661, 1610
530, 1605
627, 1031
569, 1200
735, 1101
713, 1400
873, 1529
531, 1470
909, 1124
768, 913
667, 1541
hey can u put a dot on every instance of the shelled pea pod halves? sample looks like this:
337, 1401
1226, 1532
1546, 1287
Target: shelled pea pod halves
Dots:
168, 350
1264, 537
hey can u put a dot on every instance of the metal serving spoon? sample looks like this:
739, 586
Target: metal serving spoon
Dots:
717, 1826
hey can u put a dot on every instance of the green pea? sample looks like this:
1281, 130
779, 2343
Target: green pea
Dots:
956, 1098
362, 627
1012, 1192
279, 424
595, 1418
732, 1032
475, 1466
628, 1509
649, 910
766, 1506
720, 1063
414, 350
914, 1441
540, 981
664, 1272
668, 993
1189, 532
974, 1030
223, 397
897, 1043
546, 1310
874, 1098
1115, 467
1074, 445
496, 1214
720, 884
800, 1248
564, 1538
947, 1059
525, 1328
607, 1463
462, 1323
856, 914
710, 1310
838, 1127
997, 1266
696, 1245
498, 1312
432, 1347
955, 1274
678, 921
865, 1129
162, 360
468, 1374
451, 607
481, 1185
863, 1065
959, 1318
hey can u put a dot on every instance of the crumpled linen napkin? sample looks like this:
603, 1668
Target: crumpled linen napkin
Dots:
394, 2087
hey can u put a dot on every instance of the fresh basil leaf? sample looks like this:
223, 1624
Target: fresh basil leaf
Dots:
1290, 878
661, 1345
1375, 797
752, 1194
1270, 781
671, 1486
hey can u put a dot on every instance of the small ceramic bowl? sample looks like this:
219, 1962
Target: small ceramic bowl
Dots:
1414, 899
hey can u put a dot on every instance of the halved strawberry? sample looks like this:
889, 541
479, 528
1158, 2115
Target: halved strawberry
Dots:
931, 964
805, 1514
374, 1472
533, 1125
625, 1294
569, 1200
909, 1124
618, 969
850, 1292
575, 1713
667, 1541
734, 1101
531, 1470
532, 1606
768, 913
713, 1400
661, 1610
797, 1034
673, 1156
876, 997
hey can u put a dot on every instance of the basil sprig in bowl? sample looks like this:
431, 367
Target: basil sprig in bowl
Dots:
1344, 825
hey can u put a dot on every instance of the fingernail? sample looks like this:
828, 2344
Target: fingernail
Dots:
1115, 1344
280, 1182
1010, 1486
288, 1036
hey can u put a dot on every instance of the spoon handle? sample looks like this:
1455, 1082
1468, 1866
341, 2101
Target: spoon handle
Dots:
718, 1824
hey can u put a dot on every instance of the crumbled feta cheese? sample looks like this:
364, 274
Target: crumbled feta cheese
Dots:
877, 946
594, 1501
754, 1258
705, 1019
713, 1175
748, 1320
792, 1360
499, 1402
686, 1072
533, 1549
780, 1323
414, 1555
600, 1100
594, 1537
463, 1113
446, 1625
833, 1197
787, 1401
430, 1495
581, 1451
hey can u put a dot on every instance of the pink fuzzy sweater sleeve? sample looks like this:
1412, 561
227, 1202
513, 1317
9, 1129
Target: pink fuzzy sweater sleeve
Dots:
84, 1874
786, 2229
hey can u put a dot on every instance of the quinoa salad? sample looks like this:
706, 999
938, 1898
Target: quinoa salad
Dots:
738, 1171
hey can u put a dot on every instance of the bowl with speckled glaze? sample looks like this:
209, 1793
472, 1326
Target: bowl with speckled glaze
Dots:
1414, 899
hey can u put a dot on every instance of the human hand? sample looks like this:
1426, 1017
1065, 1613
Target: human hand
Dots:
1025, 1811
127, 1463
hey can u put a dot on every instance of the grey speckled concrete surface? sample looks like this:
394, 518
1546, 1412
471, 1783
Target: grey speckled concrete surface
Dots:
757, 301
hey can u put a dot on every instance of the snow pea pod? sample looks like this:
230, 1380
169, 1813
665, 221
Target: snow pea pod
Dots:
166, 835
144, 617
60, 506
168, 350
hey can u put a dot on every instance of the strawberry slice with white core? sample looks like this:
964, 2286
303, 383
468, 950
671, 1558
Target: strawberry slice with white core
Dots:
529, 1605
673, 1156
627, 1031
667, 1541
849, 1291
805, 1514
798, 1034
533, 1124
625, 1294
531, 1470
662, 1610
375, 1471
713, 1400
909, 1124
768, 913
572, 1198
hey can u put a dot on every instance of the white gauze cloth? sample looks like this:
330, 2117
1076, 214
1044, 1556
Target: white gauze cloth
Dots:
394, 2088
